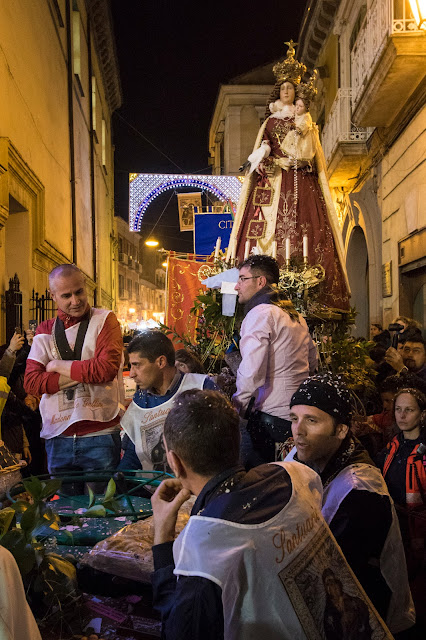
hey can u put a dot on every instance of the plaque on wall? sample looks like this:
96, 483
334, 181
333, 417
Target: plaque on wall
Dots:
387, 279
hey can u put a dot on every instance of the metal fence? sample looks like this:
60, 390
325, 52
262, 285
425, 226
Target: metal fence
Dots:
13, 303
42, 307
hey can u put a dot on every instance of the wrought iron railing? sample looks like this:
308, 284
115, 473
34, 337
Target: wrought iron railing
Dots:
42, 307
13, 300
338, 127
384, 19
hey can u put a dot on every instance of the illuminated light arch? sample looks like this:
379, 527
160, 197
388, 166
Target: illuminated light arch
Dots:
145, 187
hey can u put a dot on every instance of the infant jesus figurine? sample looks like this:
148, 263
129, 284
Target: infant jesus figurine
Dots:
301, 143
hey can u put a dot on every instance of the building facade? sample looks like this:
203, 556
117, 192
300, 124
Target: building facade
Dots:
371, 57
239, 110
60, 85
141, 279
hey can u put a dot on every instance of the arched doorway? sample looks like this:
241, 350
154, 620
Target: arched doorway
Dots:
357, 267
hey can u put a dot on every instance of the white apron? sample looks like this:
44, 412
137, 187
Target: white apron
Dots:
94, 402
401, 613
271, 574
145, 426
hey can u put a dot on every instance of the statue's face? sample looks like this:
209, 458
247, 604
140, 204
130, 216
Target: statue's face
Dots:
287, 93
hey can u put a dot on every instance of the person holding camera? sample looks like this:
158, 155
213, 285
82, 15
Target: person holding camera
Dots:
410, 359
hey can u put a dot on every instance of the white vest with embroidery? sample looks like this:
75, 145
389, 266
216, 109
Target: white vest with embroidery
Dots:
270, 574
95, 402
401, 614
145, 426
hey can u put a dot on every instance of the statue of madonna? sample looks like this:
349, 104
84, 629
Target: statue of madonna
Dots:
286, 195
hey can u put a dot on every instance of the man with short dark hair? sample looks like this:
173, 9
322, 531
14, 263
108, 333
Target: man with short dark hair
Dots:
356, 502
249, 562
73, 366
410, 359
152, 367
277, 355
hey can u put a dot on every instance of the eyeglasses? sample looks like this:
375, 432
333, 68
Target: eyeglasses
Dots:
243, 278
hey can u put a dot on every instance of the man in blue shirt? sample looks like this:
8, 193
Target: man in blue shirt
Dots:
152, 367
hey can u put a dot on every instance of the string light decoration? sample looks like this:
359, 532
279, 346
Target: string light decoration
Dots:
145, 187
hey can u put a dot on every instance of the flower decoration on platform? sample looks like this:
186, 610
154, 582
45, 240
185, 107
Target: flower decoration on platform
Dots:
293, 280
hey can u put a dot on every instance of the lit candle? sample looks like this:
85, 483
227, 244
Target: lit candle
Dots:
274, 249
217, 248
305, 246
287, 248
247, 249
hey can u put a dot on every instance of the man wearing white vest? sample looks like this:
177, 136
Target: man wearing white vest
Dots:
356, 502
255, 560
73, 365
152, 367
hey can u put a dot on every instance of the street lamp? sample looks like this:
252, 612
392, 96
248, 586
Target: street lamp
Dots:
418, 7
151, 243
131, 310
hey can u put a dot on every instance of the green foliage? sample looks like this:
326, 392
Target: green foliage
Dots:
49, 580
108, 502
214, 332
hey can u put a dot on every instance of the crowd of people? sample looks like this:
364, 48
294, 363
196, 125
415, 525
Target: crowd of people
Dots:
309, 521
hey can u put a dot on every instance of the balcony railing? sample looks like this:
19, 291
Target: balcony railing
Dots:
384, 18
339, 128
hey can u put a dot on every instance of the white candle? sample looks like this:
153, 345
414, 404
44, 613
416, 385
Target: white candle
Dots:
247, 249
287, 248
305, 246
217, 248
274, 249
233, 249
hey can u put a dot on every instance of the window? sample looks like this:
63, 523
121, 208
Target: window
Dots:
94, 108
121, 286
129, 288
357, 26
104, 145
76, 49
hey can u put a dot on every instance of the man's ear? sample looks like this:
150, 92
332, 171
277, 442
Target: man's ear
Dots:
262, 281
342, 431
175, 464
161, 361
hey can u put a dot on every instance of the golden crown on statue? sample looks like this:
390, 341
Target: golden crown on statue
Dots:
289, 70
307, 90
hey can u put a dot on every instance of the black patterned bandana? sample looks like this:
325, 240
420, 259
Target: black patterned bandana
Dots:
327, 393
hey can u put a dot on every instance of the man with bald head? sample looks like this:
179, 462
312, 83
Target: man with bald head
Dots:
73, 365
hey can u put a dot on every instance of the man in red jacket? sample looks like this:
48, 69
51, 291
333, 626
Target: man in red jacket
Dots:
73, 365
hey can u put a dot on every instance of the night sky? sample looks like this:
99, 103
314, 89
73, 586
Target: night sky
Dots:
173, 57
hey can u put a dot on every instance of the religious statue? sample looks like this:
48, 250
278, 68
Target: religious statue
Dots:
285, 205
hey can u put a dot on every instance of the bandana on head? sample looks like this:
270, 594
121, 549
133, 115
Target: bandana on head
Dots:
327, 393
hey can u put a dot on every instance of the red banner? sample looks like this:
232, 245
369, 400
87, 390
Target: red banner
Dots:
183, 285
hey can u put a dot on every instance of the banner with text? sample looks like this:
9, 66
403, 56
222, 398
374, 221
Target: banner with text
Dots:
208, 228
